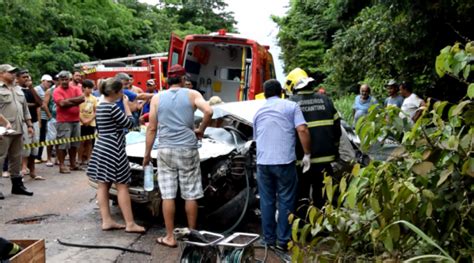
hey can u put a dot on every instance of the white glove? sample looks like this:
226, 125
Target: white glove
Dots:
306, 162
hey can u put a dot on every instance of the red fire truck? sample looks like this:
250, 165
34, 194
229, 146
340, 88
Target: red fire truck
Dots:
220, 64
140, 68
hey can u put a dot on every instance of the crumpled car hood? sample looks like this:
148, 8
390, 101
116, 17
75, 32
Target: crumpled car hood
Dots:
209, 148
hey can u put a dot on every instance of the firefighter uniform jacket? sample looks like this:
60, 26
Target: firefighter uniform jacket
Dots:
324, 126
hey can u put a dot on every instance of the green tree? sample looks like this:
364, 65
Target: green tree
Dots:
46, 36
307, 30
373, 41
418, 202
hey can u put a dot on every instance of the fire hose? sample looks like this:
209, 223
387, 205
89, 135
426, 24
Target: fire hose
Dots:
103, 247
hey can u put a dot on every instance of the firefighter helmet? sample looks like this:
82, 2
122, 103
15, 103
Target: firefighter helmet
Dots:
296, 79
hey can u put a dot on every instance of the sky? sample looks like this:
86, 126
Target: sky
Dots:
254, 22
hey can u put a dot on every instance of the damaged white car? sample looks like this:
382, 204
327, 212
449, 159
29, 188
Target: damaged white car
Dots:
228, 166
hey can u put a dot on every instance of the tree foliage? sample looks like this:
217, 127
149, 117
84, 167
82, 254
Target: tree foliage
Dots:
416, 204
372, 41
46, 36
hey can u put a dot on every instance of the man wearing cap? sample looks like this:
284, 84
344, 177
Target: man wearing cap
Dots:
275, 128
50, 106
324, 125
394, 99
67, 98
150, 89
172, 114
46, 82
14, 108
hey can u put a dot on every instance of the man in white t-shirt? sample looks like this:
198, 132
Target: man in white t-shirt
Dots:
412, 105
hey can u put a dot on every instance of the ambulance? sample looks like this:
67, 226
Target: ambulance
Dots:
219, 64
222, 64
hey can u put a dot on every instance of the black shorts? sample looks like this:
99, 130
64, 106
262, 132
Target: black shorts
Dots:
87, 130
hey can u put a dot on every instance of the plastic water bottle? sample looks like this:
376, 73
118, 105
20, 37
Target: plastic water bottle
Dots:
148, 182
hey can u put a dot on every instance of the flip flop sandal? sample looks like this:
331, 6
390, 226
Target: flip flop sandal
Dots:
161, 241
64, 171
112, 228
38, 177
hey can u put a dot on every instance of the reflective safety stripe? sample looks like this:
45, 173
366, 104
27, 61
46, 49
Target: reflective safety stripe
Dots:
320, 123
324, 159
337, 116
305, 92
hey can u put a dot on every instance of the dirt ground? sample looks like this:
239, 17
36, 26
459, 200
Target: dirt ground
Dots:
66, 209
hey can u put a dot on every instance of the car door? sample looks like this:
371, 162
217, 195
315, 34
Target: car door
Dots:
175, 54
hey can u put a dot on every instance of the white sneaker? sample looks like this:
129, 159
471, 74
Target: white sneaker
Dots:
5, 174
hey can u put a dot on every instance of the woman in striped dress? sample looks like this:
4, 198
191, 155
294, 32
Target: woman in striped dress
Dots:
109, 163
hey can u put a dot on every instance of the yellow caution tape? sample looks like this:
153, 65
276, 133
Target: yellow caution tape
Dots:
59, 141
67, 140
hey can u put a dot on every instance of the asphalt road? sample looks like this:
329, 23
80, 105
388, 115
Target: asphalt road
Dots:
70, 213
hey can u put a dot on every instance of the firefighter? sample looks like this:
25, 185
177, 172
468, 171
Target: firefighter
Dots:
325, 129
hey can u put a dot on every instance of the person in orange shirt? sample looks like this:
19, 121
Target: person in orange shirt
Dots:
87, 118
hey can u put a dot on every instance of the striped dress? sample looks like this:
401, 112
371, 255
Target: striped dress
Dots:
109, 162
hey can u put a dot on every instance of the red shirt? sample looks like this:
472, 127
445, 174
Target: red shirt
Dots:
73, 84
66, 114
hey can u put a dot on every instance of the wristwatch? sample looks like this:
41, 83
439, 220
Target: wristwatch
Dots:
29, 126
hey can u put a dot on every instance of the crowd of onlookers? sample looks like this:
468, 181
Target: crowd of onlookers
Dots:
61, 106
399, 95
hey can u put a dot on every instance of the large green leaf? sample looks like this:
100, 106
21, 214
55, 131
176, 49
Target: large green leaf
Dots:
439, 107
439, 64
429, 209
466, 72
304, 233
352, 197
316, 229
342, 186
329, 187
428, 194
313, 215
395, 232
423, 168
388, 241
466, 142
470, 91
468, 167
374, 204
445, 174
458, 109
295, 229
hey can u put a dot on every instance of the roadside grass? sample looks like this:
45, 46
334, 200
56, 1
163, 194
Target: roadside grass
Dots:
343, 105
